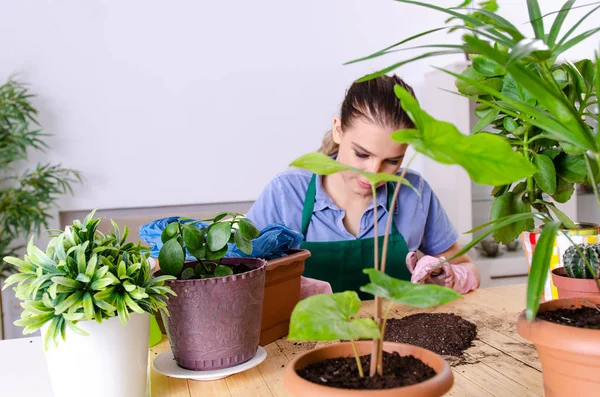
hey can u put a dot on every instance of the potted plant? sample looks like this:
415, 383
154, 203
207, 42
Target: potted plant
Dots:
26, 197
215, 319
329, 317
570, 366
95, 293
579, 276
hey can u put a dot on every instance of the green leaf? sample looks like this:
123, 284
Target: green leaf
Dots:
216, 255
67, 282
562, 217
597, 88
514, 90
88, 306
132, 305
171, 258
248, 228
73, 299
509, 124
105, 306
187, 273
328, 317
564, 191
242, 243
218, 235
122, 270
546, 175
487, 67
194, 241
540, 264
486, 120
503, 206
575, 40
535, 17
407, 293
222, 271
83, 278
560, 18
571, 168
318, 163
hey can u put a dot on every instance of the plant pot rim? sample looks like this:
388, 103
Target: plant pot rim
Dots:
562, 337
261, 268
561, 273
438, 382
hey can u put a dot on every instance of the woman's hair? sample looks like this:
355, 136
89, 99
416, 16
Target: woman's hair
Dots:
375, 101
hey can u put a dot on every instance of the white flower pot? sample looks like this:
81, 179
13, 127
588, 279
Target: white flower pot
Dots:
111, 361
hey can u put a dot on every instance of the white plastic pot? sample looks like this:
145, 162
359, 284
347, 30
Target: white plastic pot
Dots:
111, 361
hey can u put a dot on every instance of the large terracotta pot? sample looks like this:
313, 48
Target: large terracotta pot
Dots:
434, 387
570, 356
214, 323
569, 287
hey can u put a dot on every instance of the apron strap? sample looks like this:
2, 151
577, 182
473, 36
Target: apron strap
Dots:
309, 204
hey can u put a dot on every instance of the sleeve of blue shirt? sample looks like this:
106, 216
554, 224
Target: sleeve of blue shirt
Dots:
439, 234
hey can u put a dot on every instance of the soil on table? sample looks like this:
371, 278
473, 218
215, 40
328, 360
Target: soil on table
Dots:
583, 317
342, 372
443, 333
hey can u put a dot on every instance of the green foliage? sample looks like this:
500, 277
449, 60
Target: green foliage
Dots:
582, 261
328, 317
26, 197
208, 245
84, 274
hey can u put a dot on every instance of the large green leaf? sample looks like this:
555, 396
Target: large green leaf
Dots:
564, 191
319, 163
218, 235
171, 258
242, 242
540, 264
488, 159
194, 241
504, 206
571, 168
516, 91
248, 228
328, 317
407, 293
487, 67
535, 17
546, 175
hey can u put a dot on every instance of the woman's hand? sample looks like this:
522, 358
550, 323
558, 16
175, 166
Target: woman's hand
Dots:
434, 270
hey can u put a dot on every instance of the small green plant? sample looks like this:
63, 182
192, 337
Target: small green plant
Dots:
207, 244
329, 317
84, 275
582, 261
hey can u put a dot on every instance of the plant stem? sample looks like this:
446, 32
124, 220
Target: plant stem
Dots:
358, 363
385, 316
375, 349
530, 190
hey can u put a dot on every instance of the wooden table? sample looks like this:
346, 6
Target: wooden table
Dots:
500, 363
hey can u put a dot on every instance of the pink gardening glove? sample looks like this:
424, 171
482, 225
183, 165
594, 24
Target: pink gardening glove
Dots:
459, 278
312, 286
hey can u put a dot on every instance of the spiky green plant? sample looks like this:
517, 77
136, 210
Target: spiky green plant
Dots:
575, 257
84, 275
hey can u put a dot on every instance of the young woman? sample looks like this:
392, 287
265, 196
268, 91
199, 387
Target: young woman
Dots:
335, 212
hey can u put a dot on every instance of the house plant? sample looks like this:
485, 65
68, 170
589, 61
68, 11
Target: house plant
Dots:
571, 366
215, 319
329, 317
26, 197
579, 276
95, 293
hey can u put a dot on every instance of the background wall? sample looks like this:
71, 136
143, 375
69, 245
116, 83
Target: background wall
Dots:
197, 102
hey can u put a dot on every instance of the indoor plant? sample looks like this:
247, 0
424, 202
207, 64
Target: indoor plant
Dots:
215, 319
324, 317
579, 276
26, 197
571, 366
94, 291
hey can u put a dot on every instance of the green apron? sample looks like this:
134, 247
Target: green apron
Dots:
341, 263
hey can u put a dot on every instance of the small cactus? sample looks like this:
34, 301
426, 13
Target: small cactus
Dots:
575, 265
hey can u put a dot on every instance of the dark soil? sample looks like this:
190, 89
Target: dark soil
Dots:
342, 372
442, 333
583, 317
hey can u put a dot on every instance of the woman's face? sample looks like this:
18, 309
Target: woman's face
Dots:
368, 147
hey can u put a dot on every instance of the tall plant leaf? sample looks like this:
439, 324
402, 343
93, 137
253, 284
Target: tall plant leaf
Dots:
558, 22
535, 17
575, 26
540, 264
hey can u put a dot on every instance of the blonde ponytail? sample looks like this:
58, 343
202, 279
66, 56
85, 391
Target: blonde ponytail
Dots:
328, 146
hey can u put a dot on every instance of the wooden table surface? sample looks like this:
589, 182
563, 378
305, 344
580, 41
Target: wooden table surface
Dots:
500, 362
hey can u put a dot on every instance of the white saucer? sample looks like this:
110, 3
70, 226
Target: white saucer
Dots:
165, 364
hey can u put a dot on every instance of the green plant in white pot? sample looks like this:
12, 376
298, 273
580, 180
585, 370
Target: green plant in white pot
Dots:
95, 292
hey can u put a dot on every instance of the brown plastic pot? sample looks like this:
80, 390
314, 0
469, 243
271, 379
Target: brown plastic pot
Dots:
434, 387
568, 287
214, 323
282, 293
570, 356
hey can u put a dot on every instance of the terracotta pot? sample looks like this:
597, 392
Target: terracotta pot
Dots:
214, 323
570, 356
573, 287
282, 293
434, 387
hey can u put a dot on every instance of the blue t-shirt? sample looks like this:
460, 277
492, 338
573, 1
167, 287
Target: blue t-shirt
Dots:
420, 219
